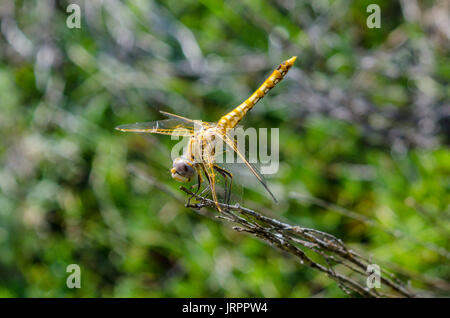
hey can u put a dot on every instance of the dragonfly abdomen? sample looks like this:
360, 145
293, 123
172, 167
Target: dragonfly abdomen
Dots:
231, 119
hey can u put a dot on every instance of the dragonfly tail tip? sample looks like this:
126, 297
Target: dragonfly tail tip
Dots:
292, 60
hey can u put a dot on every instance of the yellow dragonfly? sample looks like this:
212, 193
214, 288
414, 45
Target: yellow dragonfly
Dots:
199, 156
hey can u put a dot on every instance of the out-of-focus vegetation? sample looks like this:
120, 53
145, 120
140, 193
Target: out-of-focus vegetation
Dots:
363, 118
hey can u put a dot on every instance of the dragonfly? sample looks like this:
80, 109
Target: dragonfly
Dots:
199, 157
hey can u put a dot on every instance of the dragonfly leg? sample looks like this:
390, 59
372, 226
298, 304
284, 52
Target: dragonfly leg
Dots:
226, 183
205, 190
199, 184
199, 181
226, 174
210, 184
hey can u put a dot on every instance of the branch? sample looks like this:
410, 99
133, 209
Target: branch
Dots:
344, 265
296, 240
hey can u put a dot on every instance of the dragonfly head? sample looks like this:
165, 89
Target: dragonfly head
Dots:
182, 170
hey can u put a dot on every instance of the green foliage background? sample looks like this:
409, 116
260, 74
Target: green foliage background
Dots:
363, 119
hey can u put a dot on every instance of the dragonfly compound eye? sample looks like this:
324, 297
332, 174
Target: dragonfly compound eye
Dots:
182, 170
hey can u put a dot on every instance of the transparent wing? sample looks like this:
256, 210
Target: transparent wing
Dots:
208, 169
180, 119
187, 122
172, 126
232, 144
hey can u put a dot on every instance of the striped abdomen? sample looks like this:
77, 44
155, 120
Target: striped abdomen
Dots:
231, 119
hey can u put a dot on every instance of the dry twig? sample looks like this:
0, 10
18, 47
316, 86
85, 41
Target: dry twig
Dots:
297, 240
342, 264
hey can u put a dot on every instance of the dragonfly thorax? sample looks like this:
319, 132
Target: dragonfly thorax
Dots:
203, 145
182, 169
